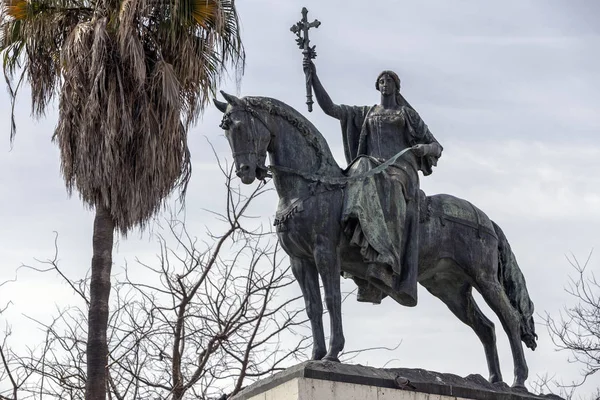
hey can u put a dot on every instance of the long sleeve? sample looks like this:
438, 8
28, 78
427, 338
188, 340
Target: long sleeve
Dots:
420, 134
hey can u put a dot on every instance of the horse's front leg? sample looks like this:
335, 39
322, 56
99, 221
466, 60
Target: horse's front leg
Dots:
328, 265
306, 274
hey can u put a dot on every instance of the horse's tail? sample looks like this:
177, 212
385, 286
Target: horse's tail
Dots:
513, 281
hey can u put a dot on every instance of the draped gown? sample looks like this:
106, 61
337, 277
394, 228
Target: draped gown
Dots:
381, 212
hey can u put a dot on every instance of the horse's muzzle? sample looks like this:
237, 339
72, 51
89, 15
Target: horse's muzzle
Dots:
246, 174
243, 170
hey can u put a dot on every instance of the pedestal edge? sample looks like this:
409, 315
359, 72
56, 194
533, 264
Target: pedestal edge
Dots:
471, 387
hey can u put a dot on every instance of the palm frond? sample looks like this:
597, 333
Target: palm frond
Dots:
17, 9
130, 77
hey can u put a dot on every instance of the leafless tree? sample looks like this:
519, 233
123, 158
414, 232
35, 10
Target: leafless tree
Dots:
205, 318
576, 330
11, 370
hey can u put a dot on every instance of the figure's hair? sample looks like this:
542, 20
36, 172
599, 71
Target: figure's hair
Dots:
392, 75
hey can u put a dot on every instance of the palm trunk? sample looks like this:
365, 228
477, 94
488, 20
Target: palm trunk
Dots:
97, 347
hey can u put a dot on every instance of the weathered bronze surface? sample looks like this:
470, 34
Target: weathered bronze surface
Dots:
371, 221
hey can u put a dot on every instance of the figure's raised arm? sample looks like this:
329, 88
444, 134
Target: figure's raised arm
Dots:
325, 102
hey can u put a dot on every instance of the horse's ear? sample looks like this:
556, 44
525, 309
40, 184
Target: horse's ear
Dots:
231, 99
221, 105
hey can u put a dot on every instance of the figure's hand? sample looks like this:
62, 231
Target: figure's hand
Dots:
420, 150
309, 66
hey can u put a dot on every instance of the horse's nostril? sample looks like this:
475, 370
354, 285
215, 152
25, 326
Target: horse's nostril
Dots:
243, 169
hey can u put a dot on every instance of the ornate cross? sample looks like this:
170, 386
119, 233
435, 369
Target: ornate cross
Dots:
301, 30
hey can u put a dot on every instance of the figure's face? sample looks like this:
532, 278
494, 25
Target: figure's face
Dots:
387, 86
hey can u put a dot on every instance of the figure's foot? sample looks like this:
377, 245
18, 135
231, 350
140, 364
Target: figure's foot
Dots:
318, 353
367, 293
495, 378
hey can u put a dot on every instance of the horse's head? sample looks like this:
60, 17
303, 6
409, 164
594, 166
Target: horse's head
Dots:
248, 136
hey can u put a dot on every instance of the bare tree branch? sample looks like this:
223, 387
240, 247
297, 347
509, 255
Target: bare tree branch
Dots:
205, 317
577, 328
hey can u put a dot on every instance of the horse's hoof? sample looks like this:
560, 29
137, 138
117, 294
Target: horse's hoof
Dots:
318, 355
331, 358
501, 385
520, 387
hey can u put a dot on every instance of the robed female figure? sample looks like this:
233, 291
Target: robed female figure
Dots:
381, 213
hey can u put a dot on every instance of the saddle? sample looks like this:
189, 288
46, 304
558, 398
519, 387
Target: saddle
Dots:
379, 280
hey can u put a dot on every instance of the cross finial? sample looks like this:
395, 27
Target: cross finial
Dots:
301, 30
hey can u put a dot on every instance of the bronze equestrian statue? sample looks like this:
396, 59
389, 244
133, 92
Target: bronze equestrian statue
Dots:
370, 221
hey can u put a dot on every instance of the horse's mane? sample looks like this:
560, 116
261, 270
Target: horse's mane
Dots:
312, 135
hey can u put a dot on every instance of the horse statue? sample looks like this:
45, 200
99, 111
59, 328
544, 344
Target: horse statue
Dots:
460, 248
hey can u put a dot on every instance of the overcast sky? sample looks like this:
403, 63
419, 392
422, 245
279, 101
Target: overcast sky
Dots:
509, 88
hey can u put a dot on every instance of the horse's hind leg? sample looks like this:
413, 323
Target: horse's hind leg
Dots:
484, 329
494, 294
459, 299
308, 278
328, 265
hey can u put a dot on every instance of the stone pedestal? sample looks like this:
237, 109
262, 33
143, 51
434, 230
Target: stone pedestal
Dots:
332, 381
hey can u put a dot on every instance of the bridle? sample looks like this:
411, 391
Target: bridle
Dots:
336, 181
226, 124
226, 121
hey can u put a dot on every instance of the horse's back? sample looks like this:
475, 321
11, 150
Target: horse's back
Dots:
453, 228
457, 209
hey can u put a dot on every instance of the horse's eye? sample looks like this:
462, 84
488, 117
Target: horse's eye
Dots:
225, 123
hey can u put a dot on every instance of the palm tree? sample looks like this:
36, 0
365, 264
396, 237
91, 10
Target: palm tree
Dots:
131, 77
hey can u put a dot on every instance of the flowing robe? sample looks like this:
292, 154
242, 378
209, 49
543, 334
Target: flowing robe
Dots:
381, 212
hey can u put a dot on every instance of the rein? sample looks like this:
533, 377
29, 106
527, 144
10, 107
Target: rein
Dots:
343, 181
313, 177
225, 124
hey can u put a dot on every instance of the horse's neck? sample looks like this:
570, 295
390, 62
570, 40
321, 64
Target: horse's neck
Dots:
291, 150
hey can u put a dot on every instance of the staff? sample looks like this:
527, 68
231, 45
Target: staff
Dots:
303, 42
